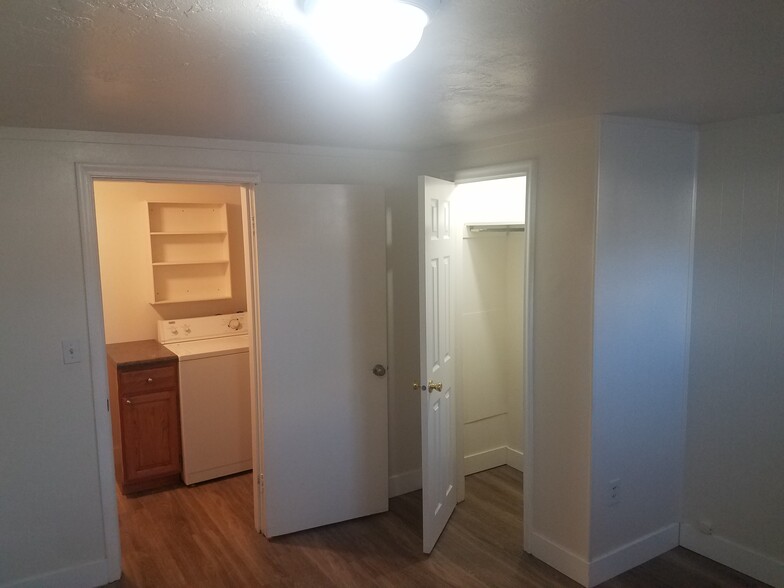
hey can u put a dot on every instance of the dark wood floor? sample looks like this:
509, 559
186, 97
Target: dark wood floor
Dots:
203, 536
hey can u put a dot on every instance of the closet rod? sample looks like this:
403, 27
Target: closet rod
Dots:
496, 228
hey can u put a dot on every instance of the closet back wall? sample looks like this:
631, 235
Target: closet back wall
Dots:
492, 349
123, 245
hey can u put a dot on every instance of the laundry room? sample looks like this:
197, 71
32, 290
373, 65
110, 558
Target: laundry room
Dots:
173, 288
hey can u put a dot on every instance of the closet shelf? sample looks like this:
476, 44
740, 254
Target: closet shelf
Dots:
185, 233
191, 262
495, 227
194, 299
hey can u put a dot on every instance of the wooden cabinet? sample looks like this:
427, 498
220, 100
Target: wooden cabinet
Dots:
189, 252
144, 398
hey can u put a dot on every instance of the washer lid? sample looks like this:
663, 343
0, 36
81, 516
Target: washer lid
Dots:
188, 350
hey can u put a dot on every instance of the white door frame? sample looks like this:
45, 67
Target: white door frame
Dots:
86, 174
497, 172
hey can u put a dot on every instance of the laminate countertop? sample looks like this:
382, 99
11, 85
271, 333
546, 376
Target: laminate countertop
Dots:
136, 353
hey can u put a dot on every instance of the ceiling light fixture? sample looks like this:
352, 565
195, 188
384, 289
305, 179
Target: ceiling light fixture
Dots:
365, 37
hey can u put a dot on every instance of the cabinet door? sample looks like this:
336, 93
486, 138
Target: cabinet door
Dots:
151, 435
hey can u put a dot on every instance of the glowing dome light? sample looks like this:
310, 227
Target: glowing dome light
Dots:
365, 37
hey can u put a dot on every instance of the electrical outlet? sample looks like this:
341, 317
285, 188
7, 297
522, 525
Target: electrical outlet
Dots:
71, 351
612, 493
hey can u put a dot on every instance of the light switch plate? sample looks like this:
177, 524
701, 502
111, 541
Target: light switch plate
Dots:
72, 352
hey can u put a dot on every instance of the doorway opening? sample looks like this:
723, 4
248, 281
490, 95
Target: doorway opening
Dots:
476, 309
494, 325
490, 322
169, 271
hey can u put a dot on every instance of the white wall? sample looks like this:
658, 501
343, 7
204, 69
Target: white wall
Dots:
735, 435
643, 262
565, 157
50, 516
124, 244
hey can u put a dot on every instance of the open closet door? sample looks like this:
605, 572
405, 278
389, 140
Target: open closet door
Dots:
437, 349
322, 293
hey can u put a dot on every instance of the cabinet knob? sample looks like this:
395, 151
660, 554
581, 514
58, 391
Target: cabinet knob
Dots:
149, 380
128, 401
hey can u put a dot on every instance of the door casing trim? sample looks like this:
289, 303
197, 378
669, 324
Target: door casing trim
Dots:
496, 172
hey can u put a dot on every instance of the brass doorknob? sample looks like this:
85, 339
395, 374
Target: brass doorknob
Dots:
431, 385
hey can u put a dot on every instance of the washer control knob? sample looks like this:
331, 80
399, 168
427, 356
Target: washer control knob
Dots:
235, 324
187, 329
174, 330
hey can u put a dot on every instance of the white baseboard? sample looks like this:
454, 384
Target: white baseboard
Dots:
404, 483
412, 480
94, 573
739, 557
484, 460
514, 459
492, 458
632, 554
560, 558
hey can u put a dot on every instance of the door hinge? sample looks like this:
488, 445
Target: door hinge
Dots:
107, 404
253, 224
261, 482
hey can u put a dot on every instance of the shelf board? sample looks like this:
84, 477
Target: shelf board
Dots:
193, 262
184, 233
181, 300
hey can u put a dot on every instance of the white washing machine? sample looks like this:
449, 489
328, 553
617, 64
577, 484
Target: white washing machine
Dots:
215, 408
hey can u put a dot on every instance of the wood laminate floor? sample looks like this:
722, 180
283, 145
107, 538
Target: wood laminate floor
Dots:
204, 536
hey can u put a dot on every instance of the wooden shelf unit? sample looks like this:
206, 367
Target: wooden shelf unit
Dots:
189, 252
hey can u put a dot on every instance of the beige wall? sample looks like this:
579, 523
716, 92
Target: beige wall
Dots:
124, 250
735, 433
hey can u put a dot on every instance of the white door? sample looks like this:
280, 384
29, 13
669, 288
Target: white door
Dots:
323, 316
437, 344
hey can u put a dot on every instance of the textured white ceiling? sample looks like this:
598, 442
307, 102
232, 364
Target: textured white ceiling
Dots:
245, 69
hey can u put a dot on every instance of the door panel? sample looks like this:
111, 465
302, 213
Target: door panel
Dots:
437, 280
151, 434
322, 268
